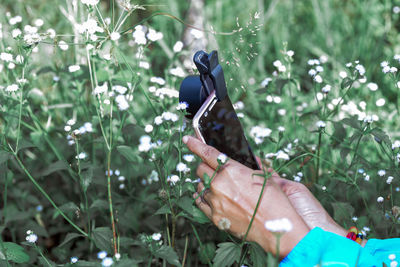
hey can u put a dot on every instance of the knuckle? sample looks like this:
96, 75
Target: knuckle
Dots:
207, 151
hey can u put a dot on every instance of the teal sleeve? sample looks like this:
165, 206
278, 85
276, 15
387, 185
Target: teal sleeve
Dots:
323, 248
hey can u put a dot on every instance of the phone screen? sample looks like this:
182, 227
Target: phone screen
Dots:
221, 128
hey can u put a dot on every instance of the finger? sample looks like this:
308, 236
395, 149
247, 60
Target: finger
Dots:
203, 169
202, 205
207, 153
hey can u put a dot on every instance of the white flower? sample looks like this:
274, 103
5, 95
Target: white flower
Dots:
90, 26
389, 179
366, 229
144, 65
380, 102
19, 59
384, 64
99, 89
281, 128
354, 219
396, 144
121, 178
312, 72
114, 36
153, 35
265, 82
16, 32
279, 225
282, 68
188, 157
63, 45
120, 89
277, 63
323, 59
196, 33
372, 86
318, 79
396, 9
139, 35
107, 261
181, 167
361, 69
12, 88
15, 20
31, 237
74, 68
101, 255
222, 158
148, 128
290, 53
319, 68
379, 199
7, 57
381, 173
182, 106
74, 260
121, 186
158, 120
90, 2
366, 178
81, 155
343, 74
178, 47
178, 71
281, 155
157, 80
324, 188
321, 124
297, 178
117, 256
326, 88
386, 69
173, 179
122, 102
393, 69
156, 236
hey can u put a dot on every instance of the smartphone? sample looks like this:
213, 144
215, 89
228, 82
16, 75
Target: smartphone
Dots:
217, 125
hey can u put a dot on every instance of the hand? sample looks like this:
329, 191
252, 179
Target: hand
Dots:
232, 198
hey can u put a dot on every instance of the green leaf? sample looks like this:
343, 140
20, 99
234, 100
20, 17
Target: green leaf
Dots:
169, 254
280, 83
4, 156
352, 122
226, 254
186, 203
199, 216
342, 211
163, 210
128, 153
258, 255
339, 134
207, 252
381, 136
55, 166
69, 237
102, 237
346, 83
14, 253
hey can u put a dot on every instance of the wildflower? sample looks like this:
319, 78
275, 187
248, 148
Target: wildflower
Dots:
144, 65
74, 68
158, 120
139, 35
265, 82
12, 88
381, 173
277, 63
281, 129
386, 69
312, 72
290, 53
297, 178
157, 80
393, 69
354, 219
282, 155
366, 178
74, 260
15, 20
145, 144
107, 261
389, 179
324, 188
16, 32
121, 186
224, 224
122, 102
117, 256
81, 155
114, 36
7, 57
279, 225
222, 158
321, 124
173, 179
153, 35
343, 74
319, 68
396, 144
181, 167
178, 71
156, 236
318, 79
90, 2
380, 102
326, 88
88, 127
360, 68
99, 89
111, 172
188, 157
372, 86
182, 106
31, 237
178, 47
277, 99
379, 199
396, 9
148, 128
282, 68
101, 255
196, 33
120, 89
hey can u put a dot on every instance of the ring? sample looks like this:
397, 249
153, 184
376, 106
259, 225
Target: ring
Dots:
202, 194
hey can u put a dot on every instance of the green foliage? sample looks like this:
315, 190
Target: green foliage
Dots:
13, 252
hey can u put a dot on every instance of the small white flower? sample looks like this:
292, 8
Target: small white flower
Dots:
188, 157
381, 173
16, 32
148, 128
389, 179
107, 261
361, 69
282, 68
326, 88
156, 236
181, 167
12, 88
312, 72
354, 219
323, 59
396, 9
120, 89
153, 35
114, 36
297, 178
74, 260
7, 57
318, 79
182, 106
63, 45
386, 69
282, 155
281, 128
144, 65
343, 74
122, 102
178, 71
178, 47
90, 2
279, 225
277, 63
157, 80
319, 68
101, 255
396, 144
372, 86
366, 178
265, 82
196, 33
222, 158
121, 186
393, 69
74, 68
321, 124
366, 229
158, 120
324, 188
379, 199
290, 53
174, 179
380, 102
31, 237
384, 64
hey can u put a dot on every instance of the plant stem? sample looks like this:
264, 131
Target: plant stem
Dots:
318, 153
110, 202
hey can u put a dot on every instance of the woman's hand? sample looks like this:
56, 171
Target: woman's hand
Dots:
232, 197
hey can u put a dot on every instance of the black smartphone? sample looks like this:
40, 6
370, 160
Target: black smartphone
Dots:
217, 125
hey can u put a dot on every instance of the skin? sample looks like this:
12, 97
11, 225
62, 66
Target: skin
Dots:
233, 195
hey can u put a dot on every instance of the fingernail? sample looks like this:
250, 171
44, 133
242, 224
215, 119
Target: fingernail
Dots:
185, 139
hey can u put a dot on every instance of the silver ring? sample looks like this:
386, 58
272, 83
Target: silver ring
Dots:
202, 194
